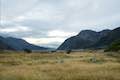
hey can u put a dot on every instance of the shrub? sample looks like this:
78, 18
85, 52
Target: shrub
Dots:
53, 51
68, 51
27, 50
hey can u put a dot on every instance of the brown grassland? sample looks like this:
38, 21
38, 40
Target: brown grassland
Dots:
87, 65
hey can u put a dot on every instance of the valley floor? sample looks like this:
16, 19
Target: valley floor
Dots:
88, 65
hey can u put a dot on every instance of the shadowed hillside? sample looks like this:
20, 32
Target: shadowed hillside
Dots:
10, 43
88, 39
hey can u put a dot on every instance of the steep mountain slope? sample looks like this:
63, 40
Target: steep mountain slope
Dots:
3, 45
74, 43
108, 39
83, 40
17, 44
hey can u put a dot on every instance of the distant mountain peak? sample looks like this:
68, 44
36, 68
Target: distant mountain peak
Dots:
86, 32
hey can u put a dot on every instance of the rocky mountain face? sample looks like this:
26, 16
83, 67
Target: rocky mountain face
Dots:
11, 43
90, 39
112, 36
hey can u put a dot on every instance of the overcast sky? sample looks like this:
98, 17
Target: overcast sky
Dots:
50, 22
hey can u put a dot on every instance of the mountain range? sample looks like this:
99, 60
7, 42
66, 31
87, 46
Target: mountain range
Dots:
88, 39
10, 43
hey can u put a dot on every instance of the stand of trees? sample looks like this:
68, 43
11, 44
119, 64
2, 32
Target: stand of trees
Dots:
115, 46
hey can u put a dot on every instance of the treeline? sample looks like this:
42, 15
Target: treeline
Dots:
115, 46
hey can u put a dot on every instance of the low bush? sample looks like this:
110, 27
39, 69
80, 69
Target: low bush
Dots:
27, 50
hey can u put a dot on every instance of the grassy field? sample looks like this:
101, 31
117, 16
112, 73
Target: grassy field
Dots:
88, 65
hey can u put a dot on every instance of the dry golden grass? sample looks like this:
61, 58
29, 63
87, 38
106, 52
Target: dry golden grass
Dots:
60, 66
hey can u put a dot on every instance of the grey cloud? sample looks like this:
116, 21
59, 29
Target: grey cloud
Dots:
42, 16
12, 8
